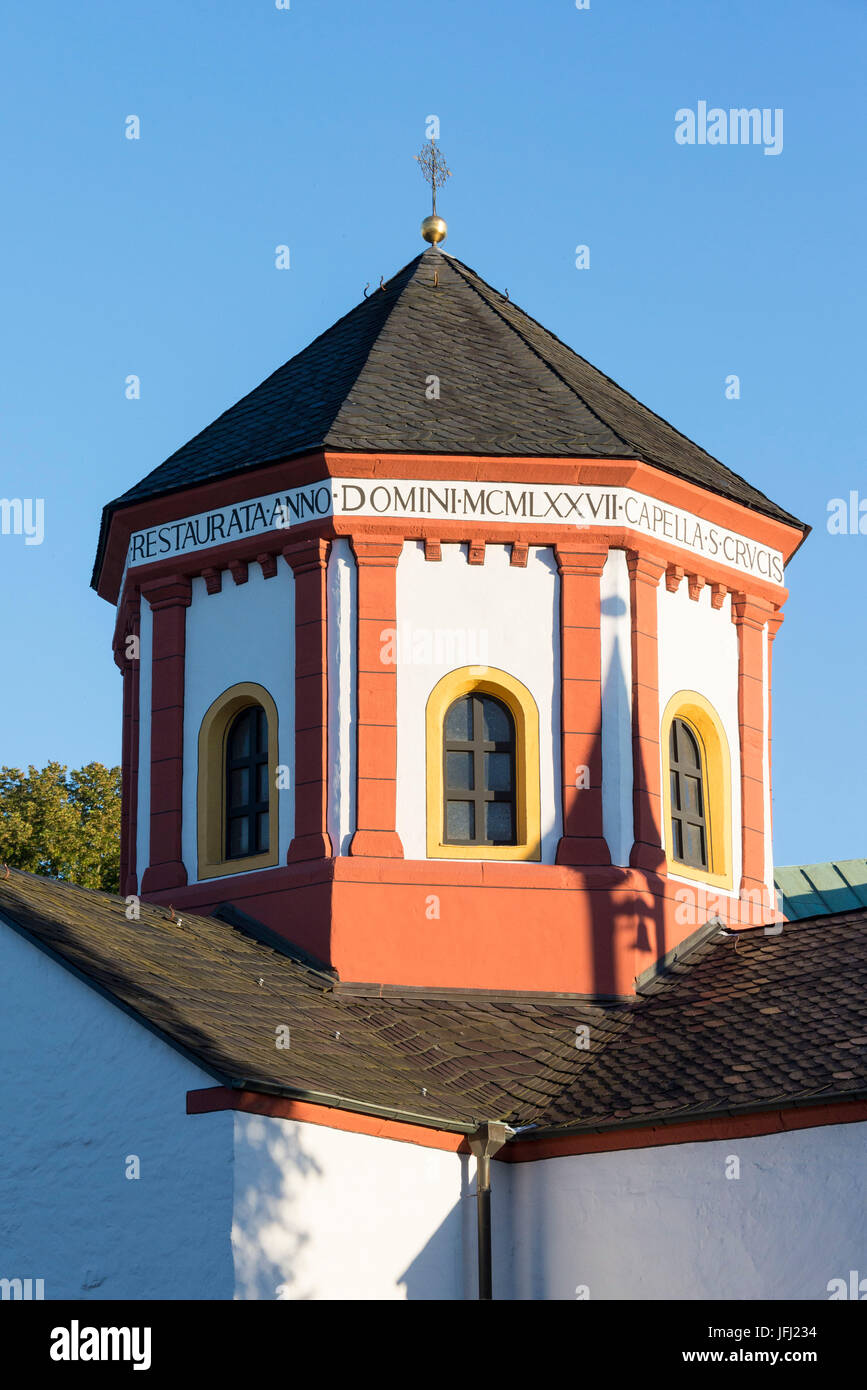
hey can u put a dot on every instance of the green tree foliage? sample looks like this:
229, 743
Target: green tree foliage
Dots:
62, 824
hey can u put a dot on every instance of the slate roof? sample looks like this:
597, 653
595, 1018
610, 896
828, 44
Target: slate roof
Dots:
809, 889
508, 388
735, 1024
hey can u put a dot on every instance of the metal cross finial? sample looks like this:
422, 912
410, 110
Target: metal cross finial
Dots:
434, 169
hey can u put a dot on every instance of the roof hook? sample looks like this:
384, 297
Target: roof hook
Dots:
366, 288
507, 294
382, 282
6, 867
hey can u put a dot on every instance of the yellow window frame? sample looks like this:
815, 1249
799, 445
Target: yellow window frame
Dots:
705, 723
486, 680
211, 791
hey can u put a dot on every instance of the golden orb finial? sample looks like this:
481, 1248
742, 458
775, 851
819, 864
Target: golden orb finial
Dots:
435, 171
434, 229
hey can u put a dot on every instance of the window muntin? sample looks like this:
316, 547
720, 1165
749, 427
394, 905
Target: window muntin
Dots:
479, 805
689, 828
247, 789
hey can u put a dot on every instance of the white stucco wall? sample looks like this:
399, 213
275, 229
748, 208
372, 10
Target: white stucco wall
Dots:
143, 823
342, 699
325, 1214
698, 650
243, 633
82, 1087
452, 614
666, 1223
616, 641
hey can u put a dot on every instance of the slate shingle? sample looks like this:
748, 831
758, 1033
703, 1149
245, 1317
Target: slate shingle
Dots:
196, 981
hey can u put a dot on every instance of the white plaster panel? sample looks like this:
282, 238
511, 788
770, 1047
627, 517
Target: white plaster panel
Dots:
327, 1214
616, 640
666, 1223
452, 614
143, 823
244, 633
698, 650
342, 686
82, 1087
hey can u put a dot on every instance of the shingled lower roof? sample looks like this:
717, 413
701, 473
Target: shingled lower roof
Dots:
508, 388
737, 1023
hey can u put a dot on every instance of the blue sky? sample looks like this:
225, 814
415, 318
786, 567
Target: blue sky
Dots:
262, 126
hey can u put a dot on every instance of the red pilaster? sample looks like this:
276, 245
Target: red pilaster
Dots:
582, 841
750, 616
375, 833
309, 559
169, 599
775, 622
127, 658
644, 576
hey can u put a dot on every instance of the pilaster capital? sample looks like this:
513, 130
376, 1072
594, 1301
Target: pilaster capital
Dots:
169, 591
376, 551
748, 610
643, 568
574, 558
306, 555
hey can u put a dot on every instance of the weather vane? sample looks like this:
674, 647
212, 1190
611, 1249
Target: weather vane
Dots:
435, 172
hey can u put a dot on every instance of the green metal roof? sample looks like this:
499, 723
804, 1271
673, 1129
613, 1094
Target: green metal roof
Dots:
809, 890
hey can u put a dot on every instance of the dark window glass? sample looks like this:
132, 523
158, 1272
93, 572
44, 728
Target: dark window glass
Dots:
247, 784
688, 815
479, 772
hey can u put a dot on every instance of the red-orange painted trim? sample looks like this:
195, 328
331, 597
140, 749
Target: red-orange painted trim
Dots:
219, 1098
308, 560
169, 601
214, 1098
375, 833
695, 1132
750, 615
642, 477
580, 567
645, 571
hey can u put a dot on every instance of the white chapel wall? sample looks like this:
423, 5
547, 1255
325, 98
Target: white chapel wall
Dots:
243, 633
83, 1087
616, 641
328, 1214
667, 1223
452, 614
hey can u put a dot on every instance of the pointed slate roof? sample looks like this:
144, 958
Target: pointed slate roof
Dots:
508, 388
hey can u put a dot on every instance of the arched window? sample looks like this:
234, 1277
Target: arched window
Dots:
479, 772
247, 789
483, 795
238, 801
696, 790
688, 821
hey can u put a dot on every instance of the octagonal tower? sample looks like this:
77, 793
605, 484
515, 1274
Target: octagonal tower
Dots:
447, 660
